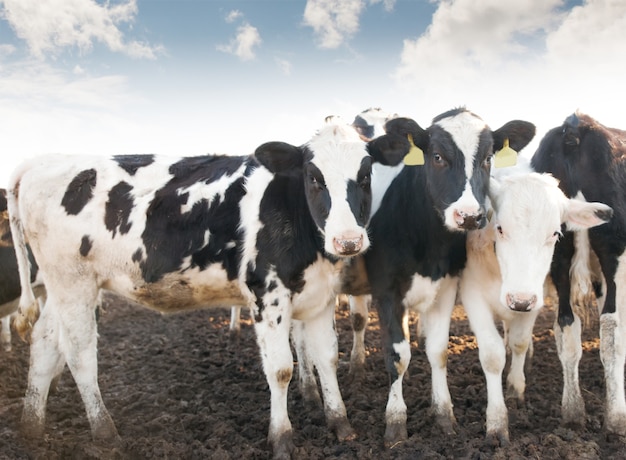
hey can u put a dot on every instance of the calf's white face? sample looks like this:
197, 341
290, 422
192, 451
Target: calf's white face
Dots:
529, 211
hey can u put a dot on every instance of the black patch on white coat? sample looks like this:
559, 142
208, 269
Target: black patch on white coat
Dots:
132, 163
79, 191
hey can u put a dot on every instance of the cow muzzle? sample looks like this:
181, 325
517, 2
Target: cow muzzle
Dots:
469, 221
521, 302
348, 246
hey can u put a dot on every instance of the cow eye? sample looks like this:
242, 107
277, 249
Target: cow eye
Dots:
438, 159
315, 182
487, 162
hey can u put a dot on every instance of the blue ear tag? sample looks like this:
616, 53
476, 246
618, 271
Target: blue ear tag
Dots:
415, 157
505, 157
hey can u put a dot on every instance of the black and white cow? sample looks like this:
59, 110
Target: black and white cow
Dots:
269, 231
418, 244
9, 276
589, 160
507, 264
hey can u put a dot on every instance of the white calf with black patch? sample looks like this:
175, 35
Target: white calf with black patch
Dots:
269, 232
507, 264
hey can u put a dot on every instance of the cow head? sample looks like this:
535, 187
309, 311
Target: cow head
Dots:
458, 148
335, 167
529, 212
370, 123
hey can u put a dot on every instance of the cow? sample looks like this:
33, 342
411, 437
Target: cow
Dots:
418, 245
269, 231
9, 276
588, 158
507, 264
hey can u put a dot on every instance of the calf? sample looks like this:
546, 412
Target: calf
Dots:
418, 248
507, 264
269, 231
9, 276
588, 159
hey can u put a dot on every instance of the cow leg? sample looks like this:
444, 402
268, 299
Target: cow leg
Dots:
520, 342
306, 375
567, 332
272, 329
79, 343
436, 326
46, 361
397, 353
321, 345
235, 320
5, 335
359, 316
492, 355
613, 347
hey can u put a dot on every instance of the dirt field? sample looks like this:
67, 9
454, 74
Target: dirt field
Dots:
179, 388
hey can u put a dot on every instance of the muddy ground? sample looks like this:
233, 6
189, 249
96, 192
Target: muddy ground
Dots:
179, 387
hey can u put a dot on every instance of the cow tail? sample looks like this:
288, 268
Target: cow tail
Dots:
28, 308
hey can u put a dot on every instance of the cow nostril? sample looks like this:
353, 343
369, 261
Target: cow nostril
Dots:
521, 303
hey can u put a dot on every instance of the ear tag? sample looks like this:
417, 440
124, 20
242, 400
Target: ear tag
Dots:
415, 157
505, 157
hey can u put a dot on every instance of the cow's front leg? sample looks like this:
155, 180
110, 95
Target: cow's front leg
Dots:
306, 374
436, 326
359, 316
519, 340
492, 355
321, 346
272, 325
397, 353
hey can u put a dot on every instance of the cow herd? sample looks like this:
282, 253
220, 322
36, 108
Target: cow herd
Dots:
381, 211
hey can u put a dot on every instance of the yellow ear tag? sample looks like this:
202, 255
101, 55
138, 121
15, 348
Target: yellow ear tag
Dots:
415, 157
505, 157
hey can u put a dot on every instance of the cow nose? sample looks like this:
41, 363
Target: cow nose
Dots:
348, 246
521, 302
469, 221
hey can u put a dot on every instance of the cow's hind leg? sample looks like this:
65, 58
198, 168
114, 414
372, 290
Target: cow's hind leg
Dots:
78, 342
321, 346
306, 373
46, 361
5, 335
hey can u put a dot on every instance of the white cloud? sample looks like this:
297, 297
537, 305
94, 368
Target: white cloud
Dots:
283, 65
334, 21
48, 27
233, 15
6, 50
243, 44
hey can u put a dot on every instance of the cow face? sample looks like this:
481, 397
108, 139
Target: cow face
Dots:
529, 212
370, 123
335, 167
458, 148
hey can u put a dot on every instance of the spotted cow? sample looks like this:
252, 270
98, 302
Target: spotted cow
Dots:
418, 245
507, 263
589, 159
269, 231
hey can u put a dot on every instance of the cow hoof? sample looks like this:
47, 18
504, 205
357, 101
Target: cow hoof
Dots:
104, 431
498, 438
357, 372
342, 428
395, 434
616, 424
447, 424
574, 417
282, 446
31, 428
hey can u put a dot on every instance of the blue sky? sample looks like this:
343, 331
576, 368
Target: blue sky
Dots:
188, 77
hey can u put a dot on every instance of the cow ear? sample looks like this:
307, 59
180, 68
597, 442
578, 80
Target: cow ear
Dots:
391, 148
519, 133
580, 215
280, 157
388, 149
